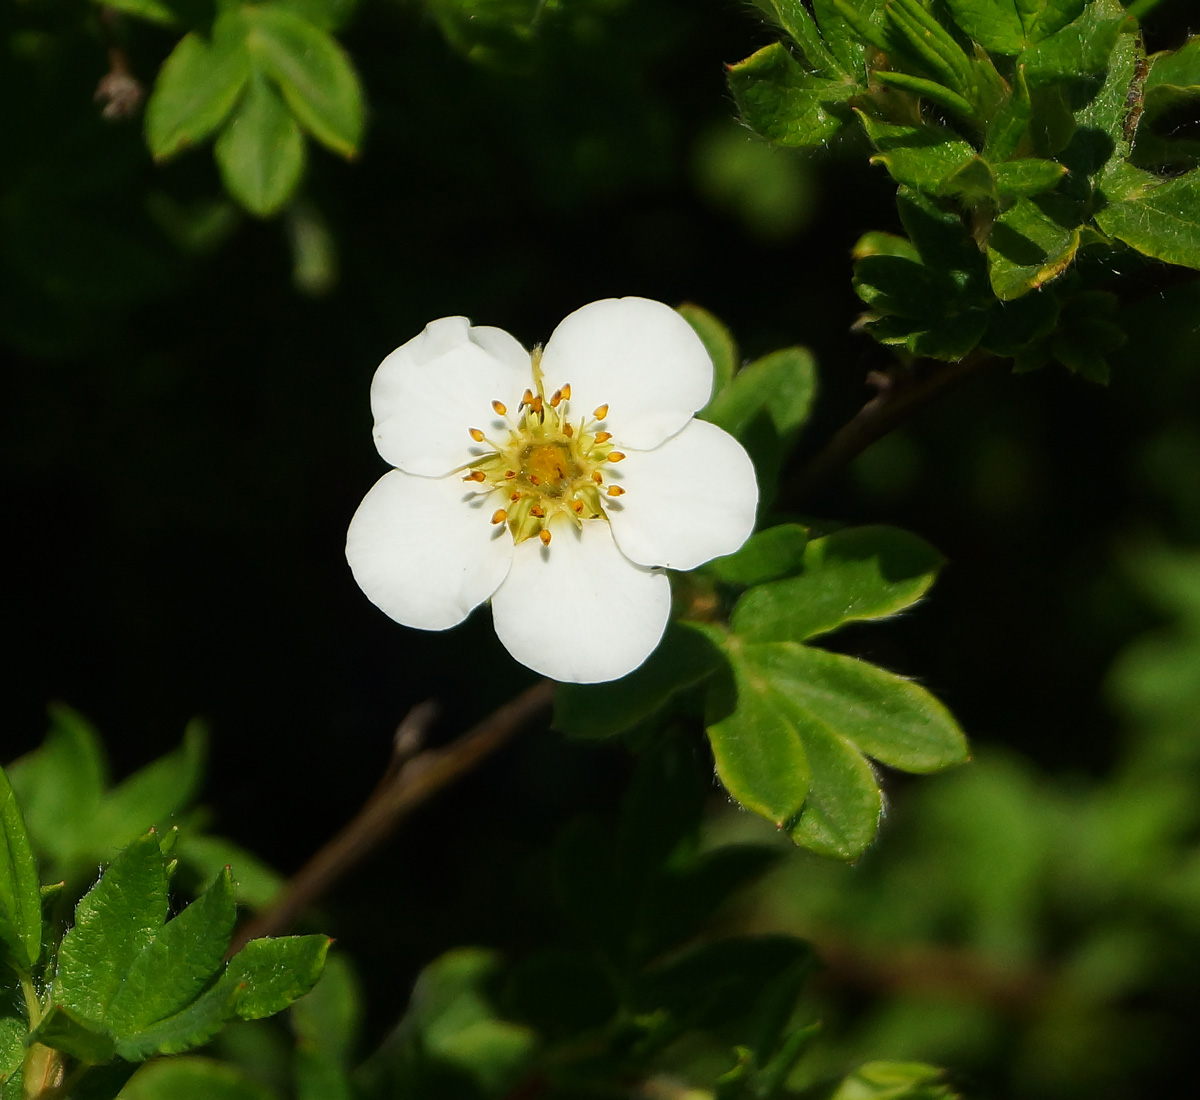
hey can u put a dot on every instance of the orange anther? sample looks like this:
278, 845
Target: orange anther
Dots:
527, 397
578, 506
515, 496
476, 475
568, 431
476, 434
601, 412
597, 477
510, 474
603, 437
566, 392
499, 515
536, 405
537, 510
534, 479
616, 491
544, 535
615, 456
500, 407
555, 399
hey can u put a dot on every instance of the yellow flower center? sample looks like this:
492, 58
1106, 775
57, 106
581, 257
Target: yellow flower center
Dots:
543, 464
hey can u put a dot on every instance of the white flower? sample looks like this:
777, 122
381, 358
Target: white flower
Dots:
557, 484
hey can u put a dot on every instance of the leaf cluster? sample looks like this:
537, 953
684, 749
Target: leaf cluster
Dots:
125, 984
258, 77
792, 726
1023, 136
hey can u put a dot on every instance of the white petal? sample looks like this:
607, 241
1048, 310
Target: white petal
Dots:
685, 502
578, 610
423, 551
640, 358
429, 392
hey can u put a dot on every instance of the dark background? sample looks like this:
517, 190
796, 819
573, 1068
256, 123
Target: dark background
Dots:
184, 434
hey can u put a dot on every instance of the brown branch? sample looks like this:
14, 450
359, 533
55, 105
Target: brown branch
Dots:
413, 777
900, 394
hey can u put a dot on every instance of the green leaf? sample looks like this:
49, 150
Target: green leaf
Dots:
13, 1031
1027, 177
926, 89
174, 968
841, 814
926, 41
1016, 325
759, 754
1078, 50
65, 1030
765, 555
193, 1079
1160, 218
1007, 26
894, 1081
272, 973
843, 40
329, 15
1030, 244
195, 90
261, 151
890, 719
683, 658
193, 1026
1010, 124
155, 11
793, 17
917, 156
114, 923
458, 1026
313, 73
59, 786
853, 574
1172, 78
152, 796
319, 1076
20, 896
328, 1018
785, 104
718, 342
782, 385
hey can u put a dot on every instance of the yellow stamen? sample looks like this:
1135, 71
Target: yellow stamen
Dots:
603, 437
601, 412
537, 510
476, 434
615, 456
616, 491
476, 475
544, 535
499, 515
500, 407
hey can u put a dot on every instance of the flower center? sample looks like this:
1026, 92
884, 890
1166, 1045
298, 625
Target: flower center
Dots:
542, 464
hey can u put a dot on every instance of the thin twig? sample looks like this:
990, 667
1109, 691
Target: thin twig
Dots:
899, 395
413, 777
